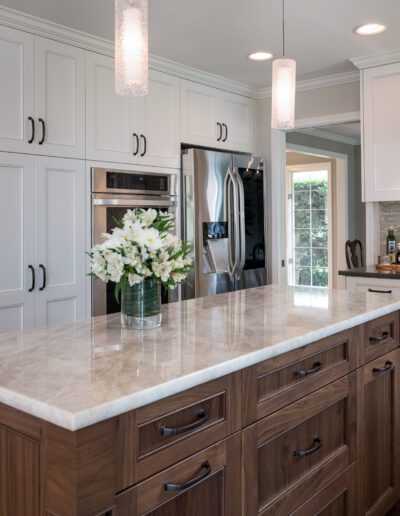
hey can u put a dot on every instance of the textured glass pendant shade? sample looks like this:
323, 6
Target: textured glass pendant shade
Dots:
283, 93
131, 47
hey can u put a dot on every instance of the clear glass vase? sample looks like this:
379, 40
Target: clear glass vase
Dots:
141, 305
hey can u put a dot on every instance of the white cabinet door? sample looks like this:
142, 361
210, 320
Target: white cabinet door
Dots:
17, 90
200, 115
381, 133
108, 115
60, 240
156, 120
59, 99
238, 117
17, 233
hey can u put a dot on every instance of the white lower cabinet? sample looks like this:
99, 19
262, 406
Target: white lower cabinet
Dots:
42, 220
373, 285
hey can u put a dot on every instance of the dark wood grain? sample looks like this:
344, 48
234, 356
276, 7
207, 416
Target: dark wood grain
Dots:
374, 349
272, 384
379, 436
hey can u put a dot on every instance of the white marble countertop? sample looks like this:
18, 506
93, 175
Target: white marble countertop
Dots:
79, 374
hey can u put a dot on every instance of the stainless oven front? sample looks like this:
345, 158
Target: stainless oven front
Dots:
113, 193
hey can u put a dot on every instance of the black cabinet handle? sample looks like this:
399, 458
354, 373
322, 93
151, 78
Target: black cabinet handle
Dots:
32, 121
316, 445
179, 487
41, 121
136, 138
384, 336
144, 145
380, 291
41, 266
202, 419
33, 278
226, 132
315, 368
388, 367
220, 132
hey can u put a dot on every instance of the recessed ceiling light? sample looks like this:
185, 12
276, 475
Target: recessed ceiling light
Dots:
370, 29
260, 56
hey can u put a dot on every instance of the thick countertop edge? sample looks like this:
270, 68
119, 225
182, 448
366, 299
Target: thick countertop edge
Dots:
379, 274
91, 416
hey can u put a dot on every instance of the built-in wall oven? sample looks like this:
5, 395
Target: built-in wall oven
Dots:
113, 193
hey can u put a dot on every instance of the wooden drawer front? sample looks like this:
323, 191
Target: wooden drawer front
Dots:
212, 477
338, 498
295, 451
172, 429
277, 382
381, 336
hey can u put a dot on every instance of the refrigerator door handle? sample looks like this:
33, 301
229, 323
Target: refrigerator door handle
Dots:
231, 193
242, 227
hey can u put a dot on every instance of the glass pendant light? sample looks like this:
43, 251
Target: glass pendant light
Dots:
283, 87
131, 47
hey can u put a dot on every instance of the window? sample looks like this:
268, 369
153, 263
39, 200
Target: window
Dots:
309, 225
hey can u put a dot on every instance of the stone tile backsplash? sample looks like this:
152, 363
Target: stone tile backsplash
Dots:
390, 217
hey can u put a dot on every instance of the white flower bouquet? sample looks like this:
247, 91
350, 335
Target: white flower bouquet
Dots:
140, 248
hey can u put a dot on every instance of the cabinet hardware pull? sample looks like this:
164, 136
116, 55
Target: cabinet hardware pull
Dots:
384, 336
144, 145
178, 487
33, 278
388, 367
226, 132
41, 266
220, 132
136, 138
316, 445
43, 131
32, 121
202, 418
380, 291
315, 368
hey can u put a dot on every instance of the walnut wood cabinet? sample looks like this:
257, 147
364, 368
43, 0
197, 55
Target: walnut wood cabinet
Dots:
315, 431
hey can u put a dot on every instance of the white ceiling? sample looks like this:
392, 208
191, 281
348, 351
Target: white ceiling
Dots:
217, 35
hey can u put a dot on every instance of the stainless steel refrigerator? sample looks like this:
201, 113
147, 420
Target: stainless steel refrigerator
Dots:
223, 216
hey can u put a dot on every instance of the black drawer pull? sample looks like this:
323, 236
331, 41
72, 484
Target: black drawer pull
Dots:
136, 138
202, 418
388, 367
31, 268
220, 132
32, 129
179, 487
384, 336
316, 445
41, 266
41, 121
380, 291
315, 368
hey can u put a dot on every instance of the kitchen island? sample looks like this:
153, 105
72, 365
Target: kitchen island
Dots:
197, 417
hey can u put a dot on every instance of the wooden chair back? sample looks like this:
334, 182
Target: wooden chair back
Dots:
354, 254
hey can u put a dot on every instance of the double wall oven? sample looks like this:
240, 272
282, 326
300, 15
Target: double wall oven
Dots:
113, 193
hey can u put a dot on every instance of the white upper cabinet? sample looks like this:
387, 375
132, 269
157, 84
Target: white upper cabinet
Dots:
381, 133
138, 130
108, 118
215, 118
156, 121
60, 240
59, 99
17, 234
17, 90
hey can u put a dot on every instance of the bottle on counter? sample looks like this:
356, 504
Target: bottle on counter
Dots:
390, 242
398, 254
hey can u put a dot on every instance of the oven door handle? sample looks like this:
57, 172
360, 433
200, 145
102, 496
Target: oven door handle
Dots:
134, 203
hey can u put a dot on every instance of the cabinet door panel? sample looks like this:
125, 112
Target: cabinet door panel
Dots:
60, 240
17, 89
239, 119
17, 230
60, 98
156, 116
200, 112
379, 421
381, 129
108, 124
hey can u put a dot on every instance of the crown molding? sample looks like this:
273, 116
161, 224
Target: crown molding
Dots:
383, 58
319, 82
326, 135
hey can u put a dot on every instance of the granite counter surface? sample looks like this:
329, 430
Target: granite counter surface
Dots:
79, 374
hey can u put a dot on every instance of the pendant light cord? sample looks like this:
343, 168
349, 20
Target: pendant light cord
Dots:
283, 27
